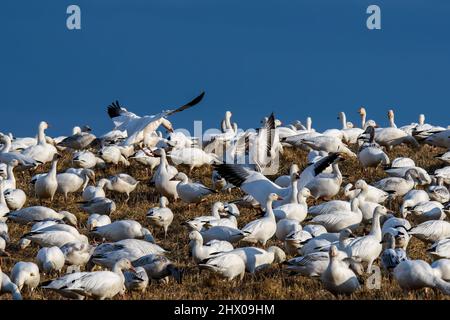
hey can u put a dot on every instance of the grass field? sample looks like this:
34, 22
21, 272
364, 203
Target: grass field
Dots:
272, 283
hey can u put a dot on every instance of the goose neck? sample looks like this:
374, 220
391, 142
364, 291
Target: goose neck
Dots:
6, 144
363, 120
376, 228
269, 210
343, 120
41, 135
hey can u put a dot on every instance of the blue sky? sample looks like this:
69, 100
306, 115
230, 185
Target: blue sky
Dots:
296, 58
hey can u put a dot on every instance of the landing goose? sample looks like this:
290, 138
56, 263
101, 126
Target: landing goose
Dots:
122, 229
42, 152
50, 259
159, 267
161, 216
98, 285
263, 229
227, 265
25, 274
336, 221
191, 192
418, 274
137, 126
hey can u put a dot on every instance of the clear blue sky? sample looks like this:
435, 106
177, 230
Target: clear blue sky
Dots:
297, 58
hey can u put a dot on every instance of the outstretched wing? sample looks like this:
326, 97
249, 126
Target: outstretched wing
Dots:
119, 115
188, 105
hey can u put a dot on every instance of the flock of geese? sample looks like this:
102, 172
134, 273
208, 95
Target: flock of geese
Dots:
326, 241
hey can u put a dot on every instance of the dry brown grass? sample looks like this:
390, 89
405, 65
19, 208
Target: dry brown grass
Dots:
272, 283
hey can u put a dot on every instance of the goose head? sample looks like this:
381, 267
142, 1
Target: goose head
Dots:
391, 114
361, 184
124, 264
380, 211
43, 125
195, 236
69, 217
421, 119
180, 176
362, 111
273, 197
346, 234
167, 124
333, 251
163, 202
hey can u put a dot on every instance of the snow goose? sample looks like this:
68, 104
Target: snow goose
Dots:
227, 265
39, 213
444, 174
329, 144
223, 233
326, 185
159, 267
122, 229
285, 227
368, 248
439, 139
98, 191
78, 141
76, 253
113, 155
87, 160
370, 193
6, 285
297, 208
137, 127
15, 198
70, 183
418, 274
99, 205
445, 157
197, 223
441, 269
263, 229
338, 278
107, 254
328, 207
161, 216
42, 151
429, 210
136, 280
439, 192
440, 249
431, 231
399, 186
122, 183
7, 156
370, 153
310, 265
163, 176
46, 185
50, 259
191, 192
336, 221
364, 124
145, 158
411, 199
390, 137
10, 181
367, 208
391, 256
25, 274
317, 168
349, 135
423, 178
98, 285
55, 235
256, 259
3, 205
294, 241
193, 157
202, 251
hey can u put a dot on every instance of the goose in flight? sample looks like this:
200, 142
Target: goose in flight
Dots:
137, 127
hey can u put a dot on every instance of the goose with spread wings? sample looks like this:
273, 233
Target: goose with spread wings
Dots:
137, 126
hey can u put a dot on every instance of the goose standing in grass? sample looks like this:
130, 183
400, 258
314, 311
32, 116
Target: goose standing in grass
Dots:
202, 251
326, 185
39, 213
50, 259
10, 181
193, 157
7, 156
122, 183
76, 254
25, 274
87, 160
159, 267
440, 249
368, 248
370, 193
370, 153
336, 221
79, 140
99, 205
113, 155
46, 185
6, 285
71, 183
431, 231
399, 186
418, 274
136, 280
191, 192
163, 176
15, 198
338, 278
144, 158
227, 265
411, 199
122, 229
42, 152
55, 235
263, 229
256, 259
391, 256
98, 284
98, 191
223, 233
161, 216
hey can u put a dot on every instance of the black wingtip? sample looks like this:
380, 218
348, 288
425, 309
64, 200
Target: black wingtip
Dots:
114, 109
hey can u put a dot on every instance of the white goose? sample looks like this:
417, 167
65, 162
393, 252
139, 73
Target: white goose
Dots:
71, 183
10, 181
39, 213
223, 233
136, 280
285, 227
50, 259
440, 249
76, 254
99, 205
411, 199
326, 185
15, 198
227, 265
161, 216
439, 192
25, 274
191, 192
98, 191
87, 160
145, 158
256, 259
6, 285
370, 153
42, 151
349, 135
418, 274
202, 251
7, 156
263, 229
399, 186
122, 183
46, 185
159, 267
193, 157
431, 231
113, 155
55, 235
364, 124
391, 256
162, 177
295, 210
122, 229
336, 221
98, 285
